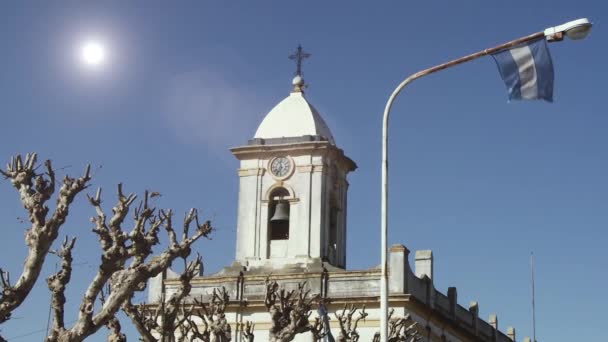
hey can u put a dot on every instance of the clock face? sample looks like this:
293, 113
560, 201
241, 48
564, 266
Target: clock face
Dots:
280, 166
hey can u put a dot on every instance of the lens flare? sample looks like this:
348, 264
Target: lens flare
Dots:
92, 53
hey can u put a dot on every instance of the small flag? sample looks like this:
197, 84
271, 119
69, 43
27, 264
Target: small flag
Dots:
527, 71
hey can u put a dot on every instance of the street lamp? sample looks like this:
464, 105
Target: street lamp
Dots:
577, 29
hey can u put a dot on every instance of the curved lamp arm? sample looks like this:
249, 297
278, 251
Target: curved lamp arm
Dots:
576, 29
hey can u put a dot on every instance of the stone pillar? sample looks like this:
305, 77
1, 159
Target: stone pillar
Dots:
247, 237
493, 320
424, 264
155, 288
474, 309
398, 259
453, 298
429, 291
511, 333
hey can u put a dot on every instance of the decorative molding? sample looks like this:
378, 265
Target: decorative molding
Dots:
257, 171
279, 184
310, 168
317, 148
290, 200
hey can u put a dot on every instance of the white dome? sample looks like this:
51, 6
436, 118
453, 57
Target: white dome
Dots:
293, 117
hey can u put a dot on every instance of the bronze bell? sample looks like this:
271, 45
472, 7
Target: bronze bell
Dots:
281, 212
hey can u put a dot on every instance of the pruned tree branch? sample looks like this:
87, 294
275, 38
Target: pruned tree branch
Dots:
171, 315
348, 328
143, 319
248, 331
290, 312
35, 190
58, 282
213, 316
113, 325
400, 329
118, 248
317, 329
116, 334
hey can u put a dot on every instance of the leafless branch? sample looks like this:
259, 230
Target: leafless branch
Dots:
400, 329
35, 190
118, 247
348, 328
143, 319
248, 331
58, 281
116, 334
290, 311
213, 316
171, 315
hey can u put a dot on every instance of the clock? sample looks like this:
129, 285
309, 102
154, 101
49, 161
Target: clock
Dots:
280, 167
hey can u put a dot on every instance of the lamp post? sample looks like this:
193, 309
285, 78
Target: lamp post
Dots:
577, 29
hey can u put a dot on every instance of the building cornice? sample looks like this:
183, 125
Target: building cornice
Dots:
323, 148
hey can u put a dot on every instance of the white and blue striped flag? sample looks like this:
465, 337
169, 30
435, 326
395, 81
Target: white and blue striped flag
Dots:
527, 71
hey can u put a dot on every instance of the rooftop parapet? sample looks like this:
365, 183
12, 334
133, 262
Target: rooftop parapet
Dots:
358, 287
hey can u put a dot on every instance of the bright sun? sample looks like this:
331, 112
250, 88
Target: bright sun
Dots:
92, 53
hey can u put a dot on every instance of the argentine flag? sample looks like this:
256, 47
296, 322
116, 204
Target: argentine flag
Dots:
527, 71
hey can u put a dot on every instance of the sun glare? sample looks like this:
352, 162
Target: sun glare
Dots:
92, 54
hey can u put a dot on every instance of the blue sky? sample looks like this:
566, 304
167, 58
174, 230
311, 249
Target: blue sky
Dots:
480, 181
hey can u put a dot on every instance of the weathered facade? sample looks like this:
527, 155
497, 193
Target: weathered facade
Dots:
291, 226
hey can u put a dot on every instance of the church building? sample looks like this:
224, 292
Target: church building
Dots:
292, 226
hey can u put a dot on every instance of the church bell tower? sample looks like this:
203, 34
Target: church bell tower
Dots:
293, 188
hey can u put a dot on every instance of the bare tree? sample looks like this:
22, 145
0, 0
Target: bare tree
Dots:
290, 312
35, 190
116, 334
213, 317
113, 324
170, 316
124, 265
248, 331
58, 281
348, 328
175, 320
400, 329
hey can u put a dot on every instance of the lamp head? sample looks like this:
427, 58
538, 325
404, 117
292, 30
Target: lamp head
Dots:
575, 30
580, 30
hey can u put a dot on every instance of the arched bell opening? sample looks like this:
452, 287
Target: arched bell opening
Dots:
278, 222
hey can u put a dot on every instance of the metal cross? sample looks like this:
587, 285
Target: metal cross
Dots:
299, 56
